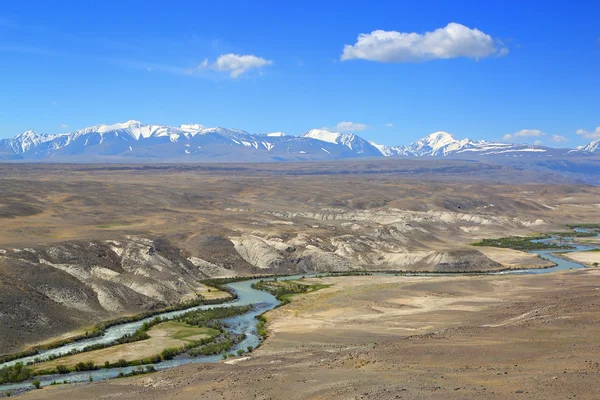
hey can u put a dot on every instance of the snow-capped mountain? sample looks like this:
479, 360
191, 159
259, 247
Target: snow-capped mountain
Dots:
444, 144
195, 142
355, 143
192, 141
593, 147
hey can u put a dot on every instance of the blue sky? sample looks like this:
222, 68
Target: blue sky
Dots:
529, 71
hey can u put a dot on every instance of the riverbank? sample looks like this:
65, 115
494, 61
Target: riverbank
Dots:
252, 291
590, 258
496, 337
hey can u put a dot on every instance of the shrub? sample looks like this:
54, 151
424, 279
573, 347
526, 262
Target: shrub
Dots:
170, 353
61, 369
36, 383
15, 373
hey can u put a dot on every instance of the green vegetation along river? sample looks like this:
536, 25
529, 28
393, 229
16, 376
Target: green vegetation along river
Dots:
245, 325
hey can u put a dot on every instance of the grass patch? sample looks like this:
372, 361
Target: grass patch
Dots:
523, 243
584, 226
183, 331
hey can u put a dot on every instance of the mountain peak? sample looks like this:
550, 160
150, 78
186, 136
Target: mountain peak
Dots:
323, 135
191, 127
440, 137
27, 134
592, 147
118, 126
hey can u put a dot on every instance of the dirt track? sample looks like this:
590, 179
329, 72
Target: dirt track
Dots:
497, 337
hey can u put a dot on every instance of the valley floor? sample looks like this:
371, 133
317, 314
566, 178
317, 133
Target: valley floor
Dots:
491, 337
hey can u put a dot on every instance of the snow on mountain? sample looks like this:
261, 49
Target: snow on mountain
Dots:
135, 139
353, 142
444, 144
25, 141
383, 149
323, 135
593, 147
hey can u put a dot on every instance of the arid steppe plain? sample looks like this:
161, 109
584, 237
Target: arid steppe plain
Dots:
84, 243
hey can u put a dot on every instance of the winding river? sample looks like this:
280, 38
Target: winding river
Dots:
246, 324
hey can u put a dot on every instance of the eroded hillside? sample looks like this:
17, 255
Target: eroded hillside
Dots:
80, 244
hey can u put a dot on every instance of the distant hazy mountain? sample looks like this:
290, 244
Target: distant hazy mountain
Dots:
593, 147
444, 144
133, 140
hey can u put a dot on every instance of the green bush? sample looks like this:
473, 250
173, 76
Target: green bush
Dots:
15, 373
61, 369
170, 353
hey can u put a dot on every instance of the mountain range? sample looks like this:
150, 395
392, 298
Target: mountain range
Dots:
132, 140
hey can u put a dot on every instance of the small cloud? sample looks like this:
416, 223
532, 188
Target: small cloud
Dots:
503, 52
347, 126
235, 65
595, 134
524, 133
453, 41
558, 139
64, 126
389, 125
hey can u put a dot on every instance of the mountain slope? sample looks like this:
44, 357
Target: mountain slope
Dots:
133, 140
444, 144
593, 147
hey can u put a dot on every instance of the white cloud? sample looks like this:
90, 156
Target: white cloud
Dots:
347, 126
503, 52
595, 134
558, 139
524, 133
235, 65
389, 125
452, 41
64, 126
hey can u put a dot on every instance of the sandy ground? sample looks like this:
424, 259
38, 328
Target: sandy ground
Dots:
510, 258
81, 244
593, 240
494, 337
162, 336
584, 257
